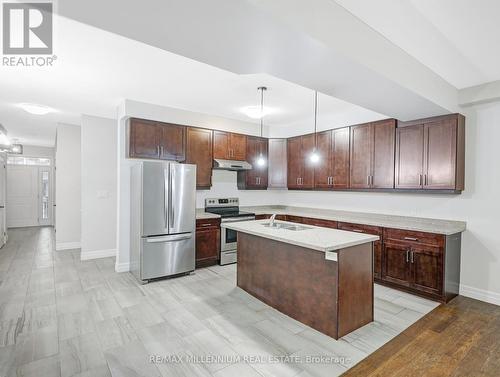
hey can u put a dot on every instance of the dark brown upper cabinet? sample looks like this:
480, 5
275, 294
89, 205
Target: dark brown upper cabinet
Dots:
430, 154
199, 152
300, 168
372, 155
144, 139
255, 179
230, 146
332, 169
172, 142
149, 139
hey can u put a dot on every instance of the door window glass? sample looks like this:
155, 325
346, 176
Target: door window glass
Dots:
45, 195
31, 161
231, 235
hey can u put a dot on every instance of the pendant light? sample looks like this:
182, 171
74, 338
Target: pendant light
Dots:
315, 155
261, 160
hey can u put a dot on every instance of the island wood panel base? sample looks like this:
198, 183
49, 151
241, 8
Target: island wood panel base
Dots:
334, 298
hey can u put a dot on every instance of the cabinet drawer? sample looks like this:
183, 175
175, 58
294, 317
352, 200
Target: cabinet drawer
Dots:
293, 219
360, 228
414, 237
207, 223
320, 222
262, 217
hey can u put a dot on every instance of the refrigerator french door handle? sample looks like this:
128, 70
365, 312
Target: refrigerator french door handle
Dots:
171, 204
166, 197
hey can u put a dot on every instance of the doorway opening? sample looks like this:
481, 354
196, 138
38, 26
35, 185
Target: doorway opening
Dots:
29, 191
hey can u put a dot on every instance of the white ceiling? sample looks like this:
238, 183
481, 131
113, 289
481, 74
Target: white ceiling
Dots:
457, 39
96, 70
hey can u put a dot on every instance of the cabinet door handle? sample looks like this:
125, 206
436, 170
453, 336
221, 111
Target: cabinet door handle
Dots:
297, 181
206, 224
371, 180
368, 180
411, 239
425, 180
407, 255
301, 181
357, 230
331, 181
420, 179
412, 257
158, 150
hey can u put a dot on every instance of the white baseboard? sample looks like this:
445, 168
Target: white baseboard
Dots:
480, 294
68, 245
122, 267
96, 254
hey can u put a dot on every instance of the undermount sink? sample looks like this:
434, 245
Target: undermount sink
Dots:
286, 226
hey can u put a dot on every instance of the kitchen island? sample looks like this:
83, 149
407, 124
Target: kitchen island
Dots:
321, 277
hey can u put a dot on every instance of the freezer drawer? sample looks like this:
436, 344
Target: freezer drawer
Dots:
167, 255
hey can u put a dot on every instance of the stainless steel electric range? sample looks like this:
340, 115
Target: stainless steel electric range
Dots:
229, 211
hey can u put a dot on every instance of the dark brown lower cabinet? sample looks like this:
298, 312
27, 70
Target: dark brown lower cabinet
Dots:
415, 266
427, 269
293, 219
425, 264
207, 242
319, 222
397, 263
262, 217
377, 245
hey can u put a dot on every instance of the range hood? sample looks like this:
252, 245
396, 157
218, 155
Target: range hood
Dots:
231, 165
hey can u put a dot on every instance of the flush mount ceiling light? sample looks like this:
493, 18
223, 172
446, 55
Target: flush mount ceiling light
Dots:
261, 161
16, 147
314, 157
36, 109
256, 112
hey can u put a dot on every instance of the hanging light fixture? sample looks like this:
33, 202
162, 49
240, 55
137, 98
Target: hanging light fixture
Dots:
315, 155
261, 160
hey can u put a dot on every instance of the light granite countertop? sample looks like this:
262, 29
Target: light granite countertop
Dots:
438, 226
201, 214
314, 237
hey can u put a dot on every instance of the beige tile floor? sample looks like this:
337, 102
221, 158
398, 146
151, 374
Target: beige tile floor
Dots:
60, 316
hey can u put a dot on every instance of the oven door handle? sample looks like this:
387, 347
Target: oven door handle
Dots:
233, 220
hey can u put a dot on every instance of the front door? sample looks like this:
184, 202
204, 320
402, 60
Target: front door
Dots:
22, 196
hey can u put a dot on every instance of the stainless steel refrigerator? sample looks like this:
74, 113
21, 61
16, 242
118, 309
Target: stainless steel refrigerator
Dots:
163, 220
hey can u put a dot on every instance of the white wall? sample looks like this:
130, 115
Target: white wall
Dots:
68, 187
99, 188
224, 186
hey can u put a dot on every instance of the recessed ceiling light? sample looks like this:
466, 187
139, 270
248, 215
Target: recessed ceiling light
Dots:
255, 112
36, 109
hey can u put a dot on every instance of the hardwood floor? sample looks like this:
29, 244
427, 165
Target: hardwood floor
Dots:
60, 316
461, 338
